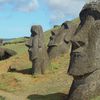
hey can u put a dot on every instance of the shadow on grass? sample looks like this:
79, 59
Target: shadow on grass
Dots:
24, 71
56, 96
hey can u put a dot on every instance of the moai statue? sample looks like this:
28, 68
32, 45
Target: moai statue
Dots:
37, 50
58, 43
85, 55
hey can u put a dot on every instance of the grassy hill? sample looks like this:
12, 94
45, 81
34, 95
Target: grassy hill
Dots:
54, 85
20, 85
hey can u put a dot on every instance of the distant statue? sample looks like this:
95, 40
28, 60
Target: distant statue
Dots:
85, 55
59, 41
1, 42
37, 50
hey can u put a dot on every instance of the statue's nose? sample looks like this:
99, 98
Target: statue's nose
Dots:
28, 43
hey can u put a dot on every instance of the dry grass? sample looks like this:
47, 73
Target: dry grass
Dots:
55, 84
52, 86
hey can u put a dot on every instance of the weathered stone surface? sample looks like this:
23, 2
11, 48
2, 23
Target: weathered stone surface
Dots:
91, 9
37, 50
6, 53
59, 41
85, 87
85, 46
85, 56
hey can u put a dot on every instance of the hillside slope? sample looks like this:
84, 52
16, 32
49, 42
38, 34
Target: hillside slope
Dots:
21, 85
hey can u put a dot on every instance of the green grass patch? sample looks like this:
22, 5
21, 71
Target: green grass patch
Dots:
97, 98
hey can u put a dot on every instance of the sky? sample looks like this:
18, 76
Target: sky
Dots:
17, 16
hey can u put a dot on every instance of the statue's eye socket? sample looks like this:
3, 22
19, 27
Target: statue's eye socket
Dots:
77, 44
53, 33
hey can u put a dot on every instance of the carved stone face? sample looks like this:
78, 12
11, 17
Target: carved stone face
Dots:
57, 36
34, 43
57, 44
37, 51
84, 42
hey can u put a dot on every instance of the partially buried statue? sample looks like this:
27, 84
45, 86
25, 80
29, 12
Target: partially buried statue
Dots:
6, 53
85, 55
37, 50
58, 43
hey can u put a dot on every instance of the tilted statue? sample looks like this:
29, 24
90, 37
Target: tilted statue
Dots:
6, 53
85, 55
37, 51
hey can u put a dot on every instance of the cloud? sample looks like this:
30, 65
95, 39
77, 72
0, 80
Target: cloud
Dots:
26, 5
20, 5
60, 9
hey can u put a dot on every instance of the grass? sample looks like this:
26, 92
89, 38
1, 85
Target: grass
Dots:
51, 86
18, 78
76, 20
54, 85
2, 98
97, 98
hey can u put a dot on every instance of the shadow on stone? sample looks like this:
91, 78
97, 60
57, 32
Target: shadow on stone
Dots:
55, 96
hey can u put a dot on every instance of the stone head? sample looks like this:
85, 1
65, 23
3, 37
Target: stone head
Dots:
36, 30
57, 36
34, 41
84, 40
57, 44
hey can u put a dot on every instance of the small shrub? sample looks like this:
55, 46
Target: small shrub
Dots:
2, 98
